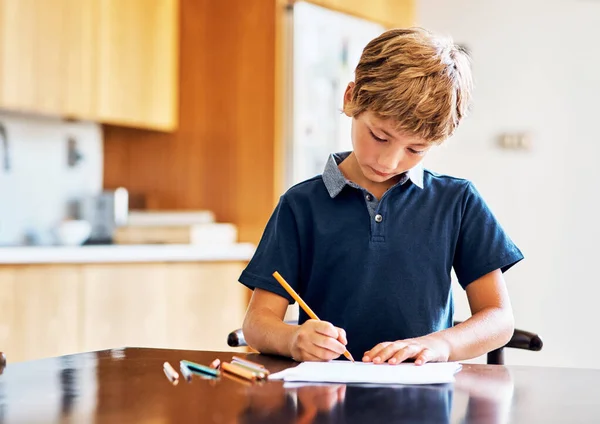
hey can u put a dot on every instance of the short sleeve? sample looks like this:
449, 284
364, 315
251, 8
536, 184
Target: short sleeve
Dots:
482, 244
278, 250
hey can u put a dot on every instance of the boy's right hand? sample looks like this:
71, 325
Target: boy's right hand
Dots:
317, 341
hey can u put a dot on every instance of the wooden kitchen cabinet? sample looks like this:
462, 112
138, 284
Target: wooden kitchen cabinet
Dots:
47, 57
137, 66
33, 43
50, 310
80, 60
123, 305
110, 61
204, 304
390, 13
39, 311
174, 305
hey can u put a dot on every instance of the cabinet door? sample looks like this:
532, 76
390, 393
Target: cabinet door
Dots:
8, 314
391, 13
47, 56
205, 303
137, 63
124, 305
32, 74
80, 61
162, 305
39, 311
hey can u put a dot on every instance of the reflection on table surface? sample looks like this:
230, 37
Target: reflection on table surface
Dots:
128, 385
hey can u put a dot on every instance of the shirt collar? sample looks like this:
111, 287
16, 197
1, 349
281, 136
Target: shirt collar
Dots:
335, 181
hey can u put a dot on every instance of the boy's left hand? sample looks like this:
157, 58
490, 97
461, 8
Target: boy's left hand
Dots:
422, 349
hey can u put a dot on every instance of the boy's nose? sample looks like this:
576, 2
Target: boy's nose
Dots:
389, 161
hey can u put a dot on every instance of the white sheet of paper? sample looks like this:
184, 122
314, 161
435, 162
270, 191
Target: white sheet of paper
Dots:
361, 372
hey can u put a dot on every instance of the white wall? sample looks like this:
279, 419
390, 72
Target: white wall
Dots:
537, 68
36, 189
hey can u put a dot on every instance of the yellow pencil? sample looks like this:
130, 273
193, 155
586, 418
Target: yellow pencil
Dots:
302, 304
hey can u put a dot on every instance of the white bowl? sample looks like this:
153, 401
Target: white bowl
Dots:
73, 233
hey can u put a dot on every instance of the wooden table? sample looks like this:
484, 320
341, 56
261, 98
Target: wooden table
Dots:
128, 385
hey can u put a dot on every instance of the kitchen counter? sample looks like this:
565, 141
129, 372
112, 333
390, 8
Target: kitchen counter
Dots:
125, 253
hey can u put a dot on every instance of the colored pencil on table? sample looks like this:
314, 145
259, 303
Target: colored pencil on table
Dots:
249, 364
240, 371
199, 368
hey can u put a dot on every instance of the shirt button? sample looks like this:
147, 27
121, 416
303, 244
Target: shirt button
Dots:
378, 218
369, 197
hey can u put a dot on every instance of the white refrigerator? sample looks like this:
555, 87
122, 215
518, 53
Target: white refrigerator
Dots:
322, 52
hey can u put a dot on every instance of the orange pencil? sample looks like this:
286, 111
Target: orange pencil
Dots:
302, 304
237, 379
240, 371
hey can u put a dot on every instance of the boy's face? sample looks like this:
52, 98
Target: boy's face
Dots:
381, 152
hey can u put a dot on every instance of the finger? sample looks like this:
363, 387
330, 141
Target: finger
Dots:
326, 328
328, 343
323, 347
342, 336
409, 351
387, 352
317, 353
426, 355
324, 354
373, 353
309, 357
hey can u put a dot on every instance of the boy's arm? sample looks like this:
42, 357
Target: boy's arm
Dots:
490, 327
265, 331
263, 328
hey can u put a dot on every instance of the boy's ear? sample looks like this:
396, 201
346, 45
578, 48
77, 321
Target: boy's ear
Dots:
348, 95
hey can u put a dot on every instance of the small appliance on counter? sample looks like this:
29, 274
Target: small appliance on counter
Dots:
105, 212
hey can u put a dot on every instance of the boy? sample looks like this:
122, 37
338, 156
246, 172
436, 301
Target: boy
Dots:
370, 244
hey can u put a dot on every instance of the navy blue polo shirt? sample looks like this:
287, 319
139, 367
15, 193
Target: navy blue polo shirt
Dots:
379, 268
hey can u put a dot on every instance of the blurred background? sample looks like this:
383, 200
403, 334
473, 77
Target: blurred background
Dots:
145, 143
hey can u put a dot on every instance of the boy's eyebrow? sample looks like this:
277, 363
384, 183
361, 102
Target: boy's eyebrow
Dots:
380, 128
386, 133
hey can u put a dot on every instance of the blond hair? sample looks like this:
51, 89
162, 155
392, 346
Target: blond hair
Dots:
421, 81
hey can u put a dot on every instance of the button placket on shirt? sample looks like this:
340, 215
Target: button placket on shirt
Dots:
370, 202
378, 222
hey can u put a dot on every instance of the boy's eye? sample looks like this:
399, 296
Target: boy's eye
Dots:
380, 140
416, 152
